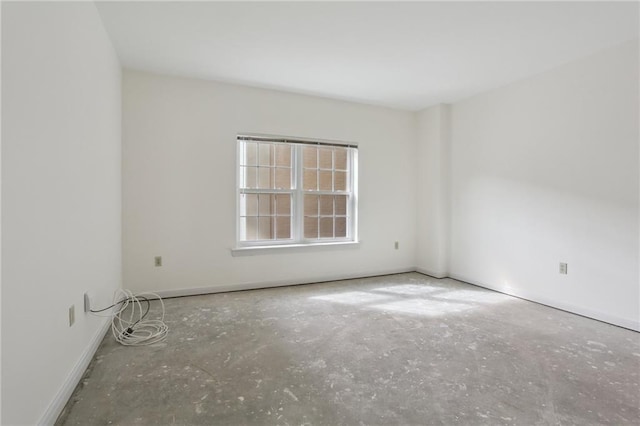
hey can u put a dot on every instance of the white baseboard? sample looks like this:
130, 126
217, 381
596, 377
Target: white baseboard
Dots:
279, 283
579, 310
66, 390
432, 273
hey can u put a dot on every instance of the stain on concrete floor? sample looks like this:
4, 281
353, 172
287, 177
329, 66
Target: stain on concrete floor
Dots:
399, 349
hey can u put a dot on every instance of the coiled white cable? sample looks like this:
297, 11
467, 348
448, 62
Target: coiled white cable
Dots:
128, 324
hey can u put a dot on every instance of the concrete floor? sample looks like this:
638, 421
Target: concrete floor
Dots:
400, 349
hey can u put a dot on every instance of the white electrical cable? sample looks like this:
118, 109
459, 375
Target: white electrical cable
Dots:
128, 324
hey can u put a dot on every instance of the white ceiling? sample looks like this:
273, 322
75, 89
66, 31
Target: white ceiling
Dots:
401, 55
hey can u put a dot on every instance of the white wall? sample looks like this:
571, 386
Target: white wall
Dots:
546, 171
433, 155
61, 112
179, 172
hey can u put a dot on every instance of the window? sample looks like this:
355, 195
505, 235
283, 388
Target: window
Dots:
293, 192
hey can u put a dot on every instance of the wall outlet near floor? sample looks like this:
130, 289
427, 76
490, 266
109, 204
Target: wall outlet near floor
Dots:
563, 268
397, 245
158, 260
87, 301
72, 315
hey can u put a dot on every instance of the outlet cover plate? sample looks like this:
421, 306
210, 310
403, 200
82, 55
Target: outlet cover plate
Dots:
563, 268
72, 315
87, 302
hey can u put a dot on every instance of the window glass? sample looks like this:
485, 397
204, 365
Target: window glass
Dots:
295, 193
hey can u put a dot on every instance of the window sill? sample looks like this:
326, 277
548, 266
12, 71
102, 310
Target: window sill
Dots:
288, 248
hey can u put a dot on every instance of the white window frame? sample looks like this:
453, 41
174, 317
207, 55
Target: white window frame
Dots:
297, 193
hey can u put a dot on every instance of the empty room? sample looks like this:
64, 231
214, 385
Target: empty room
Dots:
320, 213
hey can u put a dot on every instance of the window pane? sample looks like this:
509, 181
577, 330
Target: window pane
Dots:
283, 227
340, 181
326, 205
265, 204
243, 205
242, 228
310, 157
325, 180
249, 228
250, 154
265, 150
341, 205
264, 178
326, 227
248, 205
283, 178
341, 227
264, 228
283, 205
310, 205
249, 180
340, 158
283, 155
325, 155
310, 180
311, 227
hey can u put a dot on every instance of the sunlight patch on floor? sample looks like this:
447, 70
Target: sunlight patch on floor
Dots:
411, 289
473, 296
416, 299
353, 297
426, 307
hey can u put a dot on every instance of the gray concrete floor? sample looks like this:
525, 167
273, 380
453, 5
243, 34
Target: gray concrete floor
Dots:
399, 349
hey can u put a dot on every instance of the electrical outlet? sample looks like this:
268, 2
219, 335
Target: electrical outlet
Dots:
397, 245
87, 302
158, 260
563, 268
72, 315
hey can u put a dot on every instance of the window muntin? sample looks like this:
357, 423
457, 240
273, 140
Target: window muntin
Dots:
295, 193
265, 166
